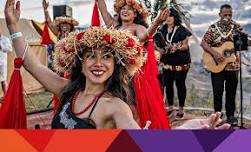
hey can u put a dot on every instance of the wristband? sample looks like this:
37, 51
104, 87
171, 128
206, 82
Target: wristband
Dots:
15, 35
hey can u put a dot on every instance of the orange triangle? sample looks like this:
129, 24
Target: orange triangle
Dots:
81, 140
12, 141
37, 138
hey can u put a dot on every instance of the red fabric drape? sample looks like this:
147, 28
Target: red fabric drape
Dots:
149, 97
45, 35
55, 102
95, 15
55, 98
12, 112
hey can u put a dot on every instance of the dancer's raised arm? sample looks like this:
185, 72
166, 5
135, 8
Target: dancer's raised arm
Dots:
143, 33
45, 76
107, 17
51, 25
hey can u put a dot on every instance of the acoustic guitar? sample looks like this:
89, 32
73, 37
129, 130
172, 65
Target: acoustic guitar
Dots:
227, 50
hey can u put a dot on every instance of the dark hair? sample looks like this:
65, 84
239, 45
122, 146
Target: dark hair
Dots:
137, 20
116, 85
176, 16
225, 6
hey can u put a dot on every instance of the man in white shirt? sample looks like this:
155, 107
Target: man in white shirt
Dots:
5, 46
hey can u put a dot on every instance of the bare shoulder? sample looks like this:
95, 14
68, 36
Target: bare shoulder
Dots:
114, 101
140, 27
122, 114
115, 104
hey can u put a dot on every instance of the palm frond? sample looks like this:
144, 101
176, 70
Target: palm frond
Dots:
158, 4
184, 14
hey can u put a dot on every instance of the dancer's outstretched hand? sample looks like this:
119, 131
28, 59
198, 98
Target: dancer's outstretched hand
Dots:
210, 123
12, 14
45, 4
162, 16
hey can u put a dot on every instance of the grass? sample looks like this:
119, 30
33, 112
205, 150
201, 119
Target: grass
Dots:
198, 98
38, 101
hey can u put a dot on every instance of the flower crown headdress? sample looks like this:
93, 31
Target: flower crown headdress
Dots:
65, 19
140, 7
126, 47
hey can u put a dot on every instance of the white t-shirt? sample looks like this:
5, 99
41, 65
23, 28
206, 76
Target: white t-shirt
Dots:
5, 44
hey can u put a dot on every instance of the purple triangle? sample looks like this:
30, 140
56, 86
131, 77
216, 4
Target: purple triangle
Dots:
123, 143
165, 140
239, 141
210, 139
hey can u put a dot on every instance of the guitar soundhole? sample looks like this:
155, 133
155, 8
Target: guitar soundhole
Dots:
228, 52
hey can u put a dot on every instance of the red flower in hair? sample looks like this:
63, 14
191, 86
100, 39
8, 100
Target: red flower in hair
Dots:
107, 38
130, 42
131, 61
80, 35
139, 49
130, 2
64, 47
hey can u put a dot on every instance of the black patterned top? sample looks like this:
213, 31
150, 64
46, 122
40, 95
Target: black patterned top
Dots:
66, 119
177, 58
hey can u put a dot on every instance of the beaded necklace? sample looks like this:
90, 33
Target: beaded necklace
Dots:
87, 107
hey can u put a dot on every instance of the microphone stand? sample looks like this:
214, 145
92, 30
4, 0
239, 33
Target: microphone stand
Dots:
239, 43
241, 89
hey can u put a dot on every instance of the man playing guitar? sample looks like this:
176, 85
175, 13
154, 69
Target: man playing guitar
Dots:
219, 33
